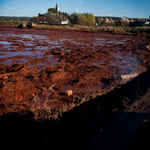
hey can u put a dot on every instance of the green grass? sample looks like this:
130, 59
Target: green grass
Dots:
10, 23
121, 30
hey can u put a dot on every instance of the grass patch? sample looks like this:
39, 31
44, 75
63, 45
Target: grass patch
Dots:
10, 23
112, 29
121, 30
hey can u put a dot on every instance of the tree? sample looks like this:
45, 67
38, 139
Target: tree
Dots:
53, 18
40, 15
74, 18
82, 19
53, 10
89, 18
64, 15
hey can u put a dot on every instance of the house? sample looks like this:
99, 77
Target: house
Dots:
124, 19
65, 22
147, 22
109, 20
104, 20
41, 20
137, 23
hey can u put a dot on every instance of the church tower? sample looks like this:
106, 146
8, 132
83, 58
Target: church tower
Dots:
57, 8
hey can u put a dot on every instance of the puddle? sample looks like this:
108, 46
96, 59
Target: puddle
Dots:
104, 41
41, 66
127, 63
55, 46
29, 44
68, 50
123, 59
16, 60
38, 66
42, 47
11, 54
99, 41
102, 62
35, 44
5, 42
31, 66
37, 54
28, 36
7, 62
114, 42
8, 47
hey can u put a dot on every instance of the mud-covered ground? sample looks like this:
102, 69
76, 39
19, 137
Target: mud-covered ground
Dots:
38, 66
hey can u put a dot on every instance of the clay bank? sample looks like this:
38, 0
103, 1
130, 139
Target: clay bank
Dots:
38, 66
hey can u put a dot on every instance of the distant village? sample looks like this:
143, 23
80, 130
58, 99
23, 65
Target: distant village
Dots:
109, 21
122, 21
54, 16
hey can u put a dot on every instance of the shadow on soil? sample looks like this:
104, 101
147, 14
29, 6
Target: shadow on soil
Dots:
77, 127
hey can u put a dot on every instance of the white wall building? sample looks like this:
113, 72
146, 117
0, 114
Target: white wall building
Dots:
65, 22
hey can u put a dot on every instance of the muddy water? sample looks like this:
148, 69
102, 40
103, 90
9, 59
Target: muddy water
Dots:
100, 55
31, 44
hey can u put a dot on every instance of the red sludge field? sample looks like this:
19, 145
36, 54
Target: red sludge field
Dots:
59, 88
56, 69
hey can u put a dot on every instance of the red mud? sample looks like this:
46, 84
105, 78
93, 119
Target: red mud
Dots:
37, 66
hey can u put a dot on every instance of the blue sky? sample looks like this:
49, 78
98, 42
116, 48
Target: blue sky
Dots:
118, 8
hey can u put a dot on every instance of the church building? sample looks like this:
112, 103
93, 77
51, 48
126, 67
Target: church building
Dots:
57, 8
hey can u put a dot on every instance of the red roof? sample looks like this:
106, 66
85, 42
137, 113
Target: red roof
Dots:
40, 18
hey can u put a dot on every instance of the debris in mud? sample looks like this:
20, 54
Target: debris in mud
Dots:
24, 26
128, 77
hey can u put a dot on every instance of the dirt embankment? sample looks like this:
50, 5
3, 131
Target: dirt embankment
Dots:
108, 121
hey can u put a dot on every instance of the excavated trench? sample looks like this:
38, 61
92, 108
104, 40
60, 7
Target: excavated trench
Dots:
107, 74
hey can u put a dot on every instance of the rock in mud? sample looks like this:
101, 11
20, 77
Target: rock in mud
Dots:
129, 76
5, 77
148, 47
69, 92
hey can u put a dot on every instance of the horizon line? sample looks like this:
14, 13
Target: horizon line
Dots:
94, 16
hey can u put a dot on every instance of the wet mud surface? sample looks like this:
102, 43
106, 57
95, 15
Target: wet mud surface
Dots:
107, 73
107, 122
37, 66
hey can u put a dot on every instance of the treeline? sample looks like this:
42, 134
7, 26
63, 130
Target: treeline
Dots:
76, 18
14, 18
54, 18
82, 19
